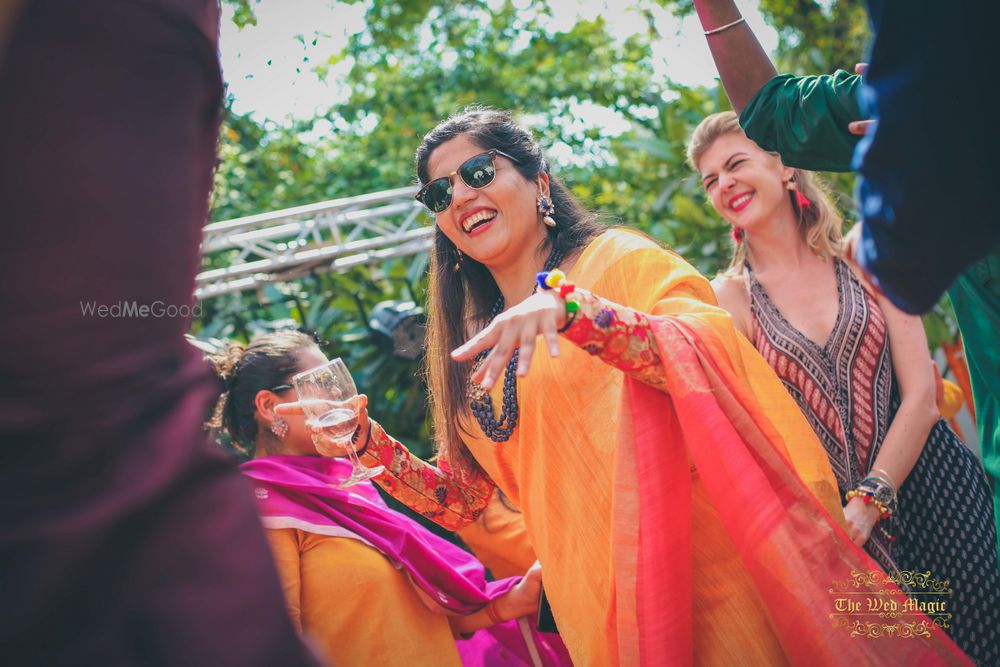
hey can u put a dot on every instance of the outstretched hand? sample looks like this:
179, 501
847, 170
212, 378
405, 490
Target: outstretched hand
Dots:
541, 314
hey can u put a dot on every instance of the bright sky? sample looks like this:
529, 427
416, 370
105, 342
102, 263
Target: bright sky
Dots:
269, 66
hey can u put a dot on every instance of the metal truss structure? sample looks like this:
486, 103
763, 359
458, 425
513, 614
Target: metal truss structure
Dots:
333, 235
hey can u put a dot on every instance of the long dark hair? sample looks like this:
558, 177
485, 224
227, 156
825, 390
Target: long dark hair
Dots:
266, 362
458, 298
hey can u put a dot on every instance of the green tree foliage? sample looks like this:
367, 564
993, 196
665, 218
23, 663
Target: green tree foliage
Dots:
818, 37
814, 36
266, 167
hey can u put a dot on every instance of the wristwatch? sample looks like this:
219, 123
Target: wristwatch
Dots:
881, 492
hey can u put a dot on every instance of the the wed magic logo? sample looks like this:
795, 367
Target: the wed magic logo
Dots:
904, 604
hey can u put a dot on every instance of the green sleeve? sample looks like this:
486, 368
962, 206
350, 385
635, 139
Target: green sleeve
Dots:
804, 119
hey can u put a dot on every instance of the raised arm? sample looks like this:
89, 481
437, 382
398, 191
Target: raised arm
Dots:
619, 335
451, 496
742, 63
807, 120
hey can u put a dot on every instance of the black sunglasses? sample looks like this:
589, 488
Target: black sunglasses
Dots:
477, 172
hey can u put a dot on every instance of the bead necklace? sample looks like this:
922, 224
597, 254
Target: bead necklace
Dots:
498, 429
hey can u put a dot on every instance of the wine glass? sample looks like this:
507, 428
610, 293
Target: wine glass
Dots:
329, 400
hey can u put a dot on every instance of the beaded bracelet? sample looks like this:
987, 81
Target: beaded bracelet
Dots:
869, 499
556, 279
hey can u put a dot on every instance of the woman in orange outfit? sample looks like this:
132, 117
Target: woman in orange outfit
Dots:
371, 585
681, 506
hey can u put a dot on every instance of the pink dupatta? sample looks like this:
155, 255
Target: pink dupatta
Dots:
301, 492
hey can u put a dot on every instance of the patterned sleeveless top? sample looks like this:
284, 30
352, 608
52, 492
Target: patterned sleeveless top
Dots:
845, 388
943, 523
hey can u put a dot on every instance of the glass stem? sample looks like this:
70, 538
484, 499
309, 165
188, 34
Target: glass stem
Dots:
352, 454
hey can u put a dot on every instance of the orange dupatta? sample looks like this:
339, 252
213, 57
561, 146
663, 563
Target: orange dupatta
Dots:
601, 467
793, 550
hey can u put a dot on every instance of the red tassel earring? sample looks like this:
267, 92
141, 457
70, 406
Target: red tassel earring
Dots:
737, 234
802, 200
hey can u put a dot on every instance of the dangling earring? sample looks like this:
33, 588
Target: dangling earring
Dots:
457, 266
279, 427
737, 234
800, 199
545, 206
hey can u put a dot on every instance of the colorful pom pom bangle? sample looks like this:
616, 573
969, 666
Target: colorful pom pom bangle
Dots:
556, 279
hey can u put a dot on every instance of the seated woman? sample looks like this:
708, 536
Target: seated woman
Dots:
916, 498
373, 586
681, 506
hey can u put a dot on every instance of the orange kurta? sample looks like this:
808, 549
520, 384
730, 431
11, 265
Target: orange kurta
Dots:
499, 540
558, 466
361, 609
638, 548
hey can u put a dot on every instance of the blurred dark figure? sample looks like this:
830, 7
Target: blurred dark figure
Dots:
124, 538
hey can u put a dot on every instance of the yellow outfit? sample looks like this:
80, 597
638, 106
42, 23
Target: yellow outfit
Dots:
499, 540
558, 467
363, 611
566, 467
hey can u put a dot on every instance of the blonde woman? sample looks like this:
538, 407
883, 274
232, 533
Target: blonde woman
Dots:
916, 498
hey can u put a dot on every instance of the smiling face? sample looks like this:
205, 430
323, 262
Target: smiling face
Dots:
495, 225
745, 184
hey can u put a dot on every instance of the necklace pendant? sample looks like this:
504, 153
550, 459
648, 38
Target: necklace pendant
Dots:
477, 392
